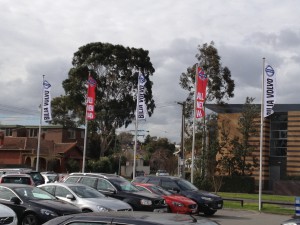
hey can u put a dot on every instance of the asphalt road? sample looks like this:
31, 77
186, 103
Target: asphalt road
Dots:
243, 217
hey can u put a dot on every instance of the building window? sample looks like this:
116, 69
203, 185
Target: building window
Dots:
71, 133
8, 132
33, 132
278, 134
82, 133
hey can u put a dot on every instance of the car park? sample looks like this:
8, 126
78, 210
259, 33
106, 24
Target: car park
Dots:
85, 197
18, 178
32, 205
208, 203
7, 216
130, 218
118, 187
176, 203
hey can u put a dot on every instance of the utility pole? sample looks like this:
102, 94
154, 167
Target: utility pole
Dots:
182, 139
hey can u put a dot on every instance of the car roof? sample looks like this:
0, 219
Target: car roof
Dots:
63, 184
102, 175
134, 218
15, 175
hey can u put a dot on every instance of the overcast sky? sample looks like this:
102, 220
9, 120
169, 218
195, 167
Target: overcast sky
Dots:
39, 38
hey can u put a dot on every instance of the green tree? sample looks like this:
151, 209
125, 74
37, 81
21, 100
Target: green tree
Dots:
220, 86
115, 68
238, 158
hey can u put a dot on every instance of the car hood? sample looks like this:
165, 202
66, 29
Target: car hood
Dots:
57, 206
111, 203
180, 198
200, 193
144, 194
6, 211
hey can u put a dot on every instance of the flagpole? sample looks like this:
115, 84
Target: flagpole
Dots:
136, 128
40, 129
85, 133
261, 137
194, 121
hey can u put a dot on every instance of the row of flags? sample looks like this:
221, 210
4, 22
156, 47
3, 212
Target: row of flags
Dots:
269, 89
91, 98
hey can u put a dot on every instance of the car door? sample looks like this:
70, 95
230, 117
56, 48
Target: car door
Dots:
5, 198
106, 188
62, 192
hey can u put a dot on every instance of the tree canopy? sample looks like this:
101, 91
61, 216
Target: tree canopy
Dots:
115, 69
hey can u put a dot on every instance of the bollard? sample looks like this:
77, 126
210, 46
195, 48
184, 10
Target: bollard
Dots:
297, 206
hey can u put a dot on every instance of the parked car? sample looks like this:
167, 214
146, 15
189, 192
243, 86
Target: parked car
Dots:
293, 221
7, 216
208, 203
32, 205
118, 187
130, 218
35, 175
85, 197
18, 178
176, 203
162, 173
50, 177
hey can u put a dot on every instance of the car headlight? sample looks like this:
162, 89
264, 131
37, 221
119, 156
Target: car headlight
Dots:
48, 212
178, 204
146, 202
102, 208
207, 199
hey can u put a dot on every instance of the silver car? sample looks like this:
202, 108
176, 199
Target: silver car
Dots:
7, 216
85, 197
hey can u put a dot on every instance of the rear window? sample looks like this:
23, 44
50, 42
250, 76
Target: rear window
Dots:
16, 180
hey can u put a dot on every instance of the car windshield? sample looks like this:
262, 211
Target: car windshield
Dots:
86, 192
159, 191
33, 193
185, 185
124, 185
52, 178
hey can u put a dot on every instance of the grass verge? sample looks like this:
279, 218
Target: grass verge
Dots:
251, 203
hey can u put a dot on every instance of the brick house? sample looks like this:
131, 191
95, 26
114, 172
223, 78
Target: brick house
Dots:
18, 146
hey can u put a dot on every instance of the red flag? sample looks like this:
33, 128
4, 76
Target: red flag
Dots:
200, 92
90, 101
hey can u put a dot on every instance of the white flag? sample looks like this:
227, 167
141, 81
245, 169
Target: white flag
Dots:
269, 90
46, 108
141, 98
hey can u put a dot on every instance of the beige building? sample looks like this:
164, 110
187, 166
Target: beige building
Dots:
281, 140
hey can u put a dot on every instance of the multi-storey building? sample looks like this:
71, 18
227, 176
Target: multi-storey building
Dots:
280, 142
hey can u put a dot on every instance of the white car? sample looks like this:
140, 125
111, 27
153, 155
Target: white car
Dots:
7, 216
162, 173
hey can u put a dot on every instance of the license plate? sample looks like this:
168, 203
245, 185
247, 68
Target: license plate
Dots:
160, 210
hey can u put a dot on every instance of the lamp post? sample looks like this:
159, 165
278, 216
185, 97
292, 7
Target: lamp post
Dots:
182, 138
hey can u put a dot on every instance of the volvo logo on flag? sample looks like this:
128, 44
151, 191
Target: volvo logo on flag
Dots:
46, 84
201, 74
269, 71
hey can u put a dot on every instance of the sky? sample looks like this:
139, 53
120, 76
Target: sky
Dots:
40, 37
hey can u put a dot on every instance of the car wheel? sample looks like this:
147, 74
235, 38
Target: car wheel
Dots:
209, 212
169, 209
30, 219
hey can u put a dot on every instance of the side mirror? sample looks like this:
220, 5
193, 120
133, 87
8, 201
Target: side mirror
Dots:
15, 200
176, 190
70, 196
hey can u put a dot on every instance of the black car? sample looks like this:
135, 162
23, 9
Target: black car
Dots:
32, 205
130, 218
118, 187
208, 203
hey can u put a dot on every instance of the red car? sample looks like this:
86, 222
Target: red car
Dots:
176, 203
